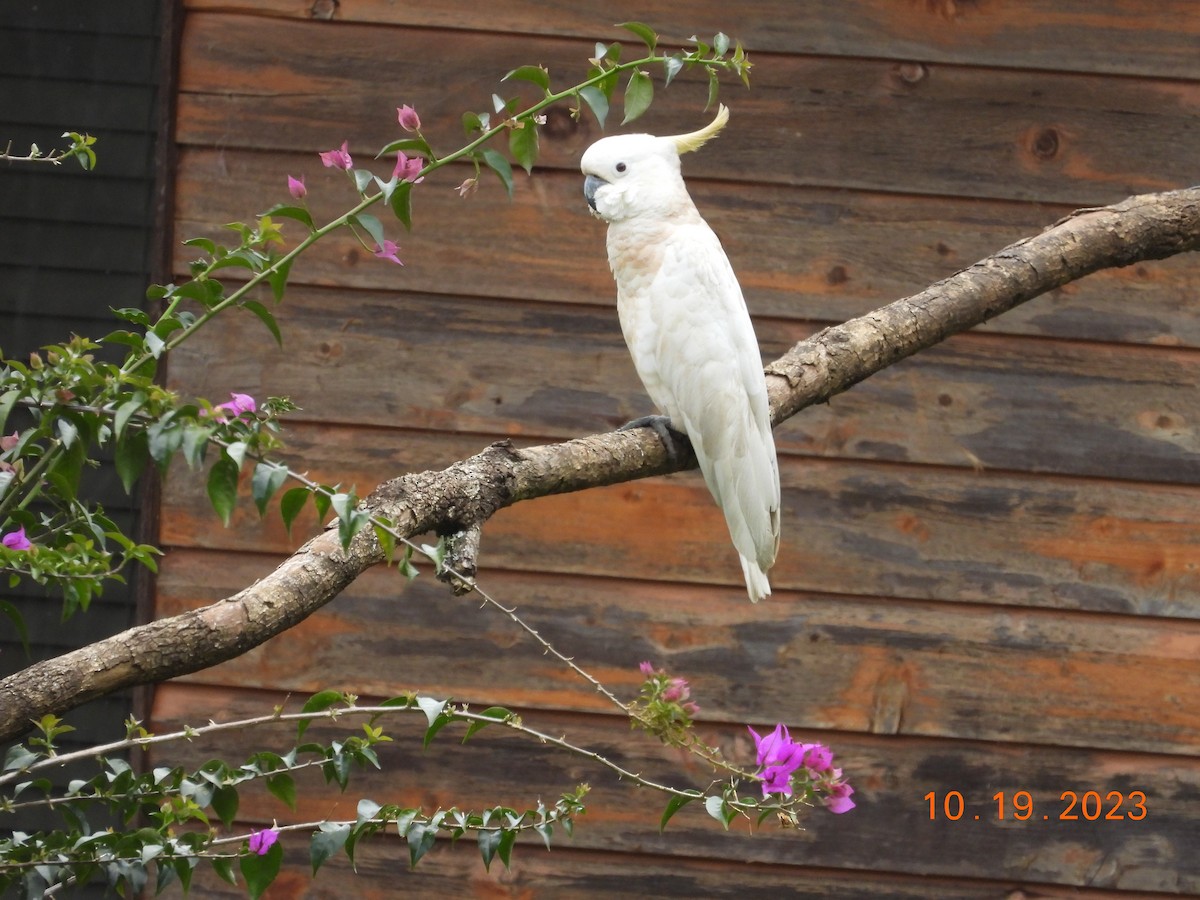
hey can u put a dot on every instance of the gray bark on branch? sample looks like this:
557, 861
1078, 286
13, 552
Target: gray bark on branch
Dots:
462, 497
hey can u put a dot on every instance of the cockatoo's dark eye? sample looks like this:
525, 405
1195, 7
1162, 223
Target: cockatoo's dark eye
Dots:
620, 167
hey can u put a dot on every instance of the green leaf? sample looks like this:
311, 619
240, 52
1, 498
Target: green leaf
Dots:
222, 487
326, 842
19, 757
366, 810
278, 277
236, 451
362, 179
260, 871
283, 787
611, 53
596, 101
266, 317
18, 621
125, 412
434, 727
721, 43
371, 226
473, 122
719, 810
387, 541
675, 804
154, 344
498, 164
507, 839
267, 479
132, 452
673, 66
287, 211
639, 94
420, 837
645, 32
224, 867
290, 506
494, 714
316, 703
489, 843
401, 203
203, 243
406, 144
321, 502
195, 443
523, 144
7, 401
537, 74
225, 804
67, 432
714, 88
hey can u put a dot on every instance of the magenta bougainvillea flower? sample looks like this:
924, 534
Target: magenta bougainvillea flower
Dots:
338, 159
388, 251
16, 540
262, 841
296, 187
646, 668
232, 408
240, 403
781, 758
838, 799
409, 120
408, 169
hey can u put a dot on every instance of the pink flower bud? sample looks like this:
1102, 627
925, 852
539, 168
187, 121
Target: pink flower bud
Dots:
16, 540
409, 120
338, 159
296, 187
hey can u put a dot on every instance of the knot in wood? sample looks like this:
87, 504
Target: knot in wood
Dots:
911, 73
1045, 144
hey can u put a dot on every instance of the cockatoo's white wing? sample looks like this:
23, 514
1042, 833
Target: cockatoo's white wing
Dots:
711, 384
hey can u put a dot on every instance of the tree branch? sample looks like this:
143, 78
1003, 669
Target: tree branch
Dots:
463, 496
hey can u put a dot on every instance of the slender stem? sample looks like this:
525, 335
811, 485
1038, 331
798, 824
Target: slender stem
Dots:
549, 100
33, 478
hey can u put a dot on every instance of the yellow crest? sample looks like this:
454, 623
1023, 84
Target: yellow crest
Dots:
685, 143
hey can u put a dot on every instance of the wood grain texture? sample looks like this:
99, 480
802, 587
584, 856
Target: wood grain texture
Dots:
980, 401
1113, 36
807, 254
889, 832
867, 665
381, 872
863, 124
869, 529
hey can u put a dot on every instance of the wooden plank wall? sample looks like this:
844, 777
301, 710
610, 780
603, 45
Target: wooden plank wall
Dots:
72, 245
990, 571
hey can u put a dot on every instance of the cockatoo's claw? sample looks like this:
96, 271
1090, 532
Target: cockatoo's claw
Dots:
675, 441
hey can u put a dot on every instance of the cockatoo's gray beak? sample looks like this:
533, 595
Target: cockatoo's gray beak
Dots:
591, 184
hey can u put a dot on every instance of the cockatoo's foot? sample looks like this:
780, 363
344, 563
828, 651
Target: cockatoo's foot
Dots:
675, 442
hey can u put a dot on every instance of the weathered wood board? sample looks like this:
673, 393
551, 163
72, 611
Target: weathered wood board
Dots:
871, 529
808, 254
475, 366
1104, 36
863, 124
879, 666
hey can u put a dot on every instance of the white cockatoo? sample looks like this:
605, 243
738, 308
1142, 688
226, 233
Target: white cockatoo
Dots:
686, 324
